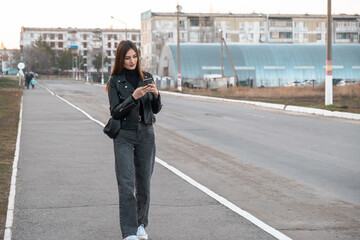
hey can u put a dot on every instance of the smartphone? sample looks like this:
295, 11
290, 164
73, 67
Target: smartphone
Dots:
147, 81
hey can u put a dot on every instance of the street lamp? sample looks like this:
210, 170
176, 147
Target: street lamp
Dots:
97, 38
178, 8
123, 23
328, 76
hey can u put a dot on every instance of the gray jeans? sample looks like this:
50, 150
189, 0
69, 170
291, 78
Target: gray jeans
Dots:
134, 164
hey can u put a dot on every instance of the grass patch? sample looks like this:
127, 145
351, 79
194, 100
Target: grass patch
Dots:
10, 97
8, 83
345, 98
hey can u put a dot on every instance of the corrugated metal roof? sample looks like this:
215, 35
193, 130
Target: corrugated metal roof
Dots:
269, 64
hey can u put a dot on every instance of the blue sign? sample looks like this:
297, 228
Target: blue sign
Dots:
73, 46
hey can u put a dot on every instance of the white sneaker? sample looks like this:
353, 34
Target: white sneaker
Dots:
141, 234
131, 237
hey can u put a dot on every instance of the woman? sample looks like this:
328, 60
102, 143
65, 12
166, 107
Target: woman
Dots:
134, 104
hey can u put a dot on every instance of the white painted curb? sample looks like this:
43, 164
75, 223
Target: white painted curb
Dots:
315, 111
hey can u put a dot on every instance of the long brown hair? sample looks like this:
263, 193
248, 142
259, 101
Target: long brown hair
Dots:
121, 50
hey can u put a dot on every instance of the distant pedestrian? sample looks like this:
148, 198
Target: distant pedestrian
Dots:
28, 78
134, 104
33, 82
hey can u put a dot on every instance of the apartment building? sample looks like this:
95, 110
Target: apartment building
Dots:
85, 41
9, 58
158, 29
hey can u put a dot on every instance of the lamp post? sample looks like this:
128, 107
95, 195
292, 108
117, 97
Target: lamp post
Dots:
124, 24
328, 76
222, 54
178, 8
102, 60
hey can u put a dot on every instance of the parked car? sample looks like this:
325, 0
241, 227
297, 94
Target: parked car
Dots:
294, 84
311, 82
345, 82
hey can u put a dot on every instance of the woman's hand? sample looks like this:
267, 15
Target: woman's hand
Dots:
140, 92
152, 88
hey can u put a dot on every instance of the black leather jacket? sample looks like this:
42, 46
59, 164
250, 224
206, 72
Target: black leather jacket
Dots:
124, 107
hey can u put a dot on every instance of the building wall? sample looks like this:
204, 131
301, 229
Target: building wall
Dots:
88, 42
268, 65
9, 59
159, 29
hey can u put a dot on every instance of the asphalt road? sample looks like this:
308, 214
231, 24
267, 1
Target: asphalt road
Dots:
297, 173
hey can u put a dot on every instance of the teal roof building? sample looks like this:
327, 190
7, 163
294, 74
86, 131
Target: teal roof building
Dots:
269, 65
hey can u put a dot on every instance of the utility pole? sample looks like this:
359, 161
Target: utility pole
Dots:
102, 59
123, 23
178, 8
222, 53
328, 77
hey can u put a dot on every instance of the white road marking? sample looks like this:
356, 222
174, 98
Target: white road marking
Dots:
226, 203
11, 202
201, 187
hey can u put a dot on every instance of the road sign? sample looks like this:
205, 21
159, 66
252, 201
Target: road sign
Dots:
21, 65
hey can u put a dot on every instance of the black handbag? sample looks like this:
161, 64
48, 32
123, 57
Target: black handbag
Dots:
112, 128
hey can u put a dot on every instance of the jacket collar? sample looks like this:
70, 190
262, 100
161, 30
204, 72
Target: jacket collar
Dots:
122, 79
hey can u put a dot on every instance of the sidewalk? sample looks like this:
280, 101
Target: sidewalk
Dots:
66, 186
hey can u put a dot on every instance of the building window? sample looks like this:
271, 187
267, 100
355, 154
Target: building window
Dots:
181, 24
44, 36
31, 35
60, 37
85, 52
52, 44
274, 35
115, 45
52, 36
346, 36
285, 34
133, 37
194, 22
170, 35
109, 44
108, 53
109, 36
60, 44
84, 36
84, 44
318, 36
279, 23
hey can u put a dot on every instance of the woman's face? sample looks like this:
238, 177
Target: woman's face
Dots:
130, 60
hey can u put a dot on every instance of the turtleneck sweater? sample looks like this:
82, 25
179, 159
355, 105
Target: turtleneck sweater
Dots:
132, 76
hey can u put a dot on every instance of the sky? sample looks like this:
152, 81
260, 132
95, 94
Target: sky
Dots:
97, 14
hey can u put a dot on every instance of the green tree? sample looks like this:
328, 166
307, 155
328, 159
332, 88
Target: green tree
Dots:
80, 61
40, 57
65, 60
97, 62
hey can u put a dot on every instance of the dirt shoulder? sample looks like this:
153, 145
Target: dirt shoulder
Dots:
10, 97
345, 98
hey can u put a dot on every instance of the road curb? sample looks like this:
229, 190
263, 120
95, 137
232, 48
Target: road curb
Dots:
290, 108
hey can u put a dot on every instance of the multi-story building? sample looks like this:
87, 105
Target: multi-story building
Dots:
158, 29
85, 41
9, 58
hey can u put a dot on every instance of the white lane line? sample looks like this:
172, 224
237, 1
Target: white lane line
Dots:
11, 202
226, 203
82, 111
212, 194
